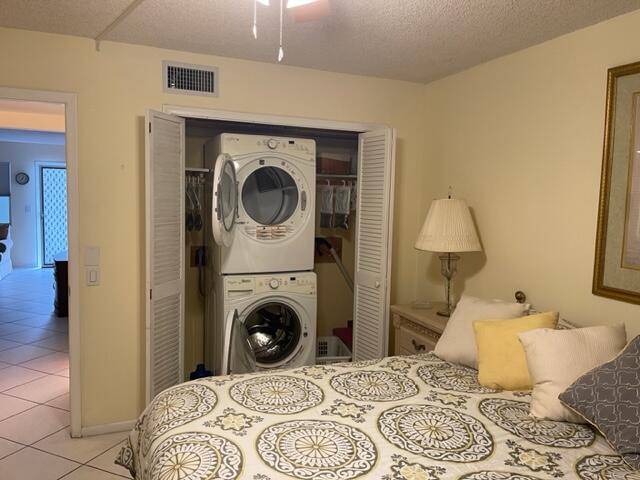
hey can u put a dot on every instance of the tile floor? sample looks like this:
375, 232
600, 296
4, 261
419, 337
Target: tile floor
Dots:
34, 391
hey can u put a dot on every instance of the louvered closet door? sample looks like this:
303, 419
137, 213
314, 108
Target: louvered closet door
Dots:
373, 262
164, 184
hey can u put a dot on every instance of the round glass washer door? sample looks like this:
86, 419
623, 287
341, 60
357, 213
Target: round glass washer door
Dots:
274, 330
270, 195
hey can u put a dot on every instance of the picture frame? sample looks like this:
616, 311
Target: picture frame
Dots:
617, 254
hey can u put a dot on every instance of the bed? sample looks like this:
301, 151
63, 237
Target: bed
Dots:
413, 418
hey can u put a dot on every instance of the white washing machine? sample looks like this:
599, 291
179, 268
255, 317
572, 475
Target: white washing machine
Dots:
263, 203
262, 322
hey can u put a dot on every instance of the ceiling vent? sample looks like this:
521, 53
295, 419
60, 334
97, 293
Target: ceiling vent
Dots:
189, 79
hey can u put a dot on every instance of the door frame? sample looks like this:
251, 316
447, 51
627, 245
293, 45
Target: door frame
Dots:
268, 119
293, 121
71, 161
40, 209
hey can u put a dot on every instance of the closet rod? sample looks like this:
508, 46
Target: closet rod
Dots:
349, 176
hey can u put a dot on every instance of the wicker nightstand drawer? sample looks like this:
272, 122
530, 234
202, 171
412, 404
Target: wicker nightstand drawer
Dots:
416, 330
416, 342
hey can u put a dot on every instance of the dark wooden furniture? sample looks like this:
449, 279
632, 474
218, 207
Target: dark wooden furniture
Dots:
61, 284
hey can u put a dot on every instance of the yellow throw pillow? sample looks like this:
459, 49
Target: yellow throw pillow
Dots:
502, 363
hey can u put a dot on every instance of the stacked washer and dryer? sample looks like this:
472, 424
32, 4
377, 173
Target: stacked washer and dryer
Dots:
261, 311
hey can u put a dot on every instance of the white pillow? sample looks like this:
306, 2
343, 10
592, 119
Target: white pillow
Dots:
556, 358
458, 342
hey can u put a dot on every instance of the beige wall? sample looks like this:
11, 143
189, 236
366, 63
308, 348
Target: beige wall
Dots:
520, 138
114, 88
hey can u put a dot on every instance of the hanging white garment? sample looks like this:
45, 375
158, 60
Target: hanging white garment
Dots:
326, 206
342, 206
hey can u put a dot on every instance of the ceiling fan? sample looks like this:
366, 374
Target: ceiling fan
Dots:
301, 11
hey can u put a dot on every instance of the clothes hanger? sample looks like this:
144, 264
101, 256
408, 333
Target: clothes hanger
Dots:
189, 217
197, 221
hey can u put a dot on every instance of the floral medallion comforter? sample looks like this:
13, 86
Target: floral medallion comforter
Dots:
412, 418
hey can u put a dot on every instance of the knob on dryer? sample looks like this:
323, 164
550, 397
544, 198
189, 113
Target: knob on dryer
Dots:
272, 143
274, 283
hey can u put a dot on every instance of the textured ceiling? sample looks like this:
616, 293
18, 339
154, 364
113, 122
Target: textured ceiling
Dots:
418, 40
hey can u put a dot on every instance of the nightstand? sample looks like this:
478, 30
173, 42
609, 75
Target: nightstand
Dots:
417, 330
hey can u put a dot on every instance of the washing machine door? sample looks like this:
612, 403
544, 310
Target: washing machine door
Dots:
225, 200
275, 332
238, 356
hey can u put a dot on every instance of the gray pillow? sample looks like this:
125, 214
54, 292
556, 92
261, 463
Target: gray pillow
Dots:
608, 397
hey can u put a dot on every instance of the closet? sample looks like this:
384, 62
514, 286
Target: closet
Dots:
178, 234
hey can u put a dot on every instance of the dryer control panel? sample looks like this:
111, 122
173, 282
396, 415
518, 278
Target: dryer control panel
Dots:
278, 283
239, 144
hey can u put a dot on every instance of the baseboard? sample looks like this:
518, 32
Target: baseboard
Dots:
108, 428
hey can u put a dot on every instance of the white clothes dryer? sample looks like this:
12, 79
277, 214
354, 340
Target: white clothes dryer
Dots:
266, 321
263, 203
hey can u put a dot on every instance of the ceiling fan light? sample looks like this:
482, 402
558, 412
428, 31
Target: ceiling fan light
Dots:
299, 3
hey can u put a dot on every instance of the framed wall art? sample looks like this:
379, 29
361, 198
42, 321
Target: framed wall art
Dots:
617, 259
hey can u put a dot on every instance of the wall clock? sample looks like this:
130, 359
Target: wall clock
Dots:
22, 178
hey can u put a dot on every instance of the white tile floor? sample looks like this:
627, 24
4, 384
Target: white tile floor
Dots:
34, 391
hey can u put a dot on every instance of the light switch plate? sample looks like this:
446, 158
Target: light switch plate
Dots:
92, 276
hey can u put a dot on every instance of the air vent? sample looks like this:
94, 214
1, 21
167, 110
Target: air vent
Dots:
189, 79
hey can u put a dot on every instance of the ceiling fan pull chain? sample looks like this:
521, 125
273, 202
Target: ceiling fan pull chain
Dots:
281, 51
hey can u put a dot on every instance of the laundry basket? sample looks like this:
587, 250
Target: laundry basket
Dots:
332, 350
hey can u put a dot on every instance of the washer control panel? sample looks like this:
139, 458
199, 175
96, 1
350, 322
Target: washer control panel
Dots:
277, 283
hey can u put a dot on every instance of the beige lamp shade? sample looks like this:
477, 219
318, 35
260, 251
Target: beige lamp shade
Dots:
448, 228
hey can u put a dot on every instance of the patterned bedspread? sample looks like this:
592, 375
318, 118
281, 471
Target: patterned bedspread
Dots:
413, 418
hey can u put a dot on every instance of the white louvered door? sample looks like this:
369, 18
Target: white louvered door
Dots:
376, 156
164, 188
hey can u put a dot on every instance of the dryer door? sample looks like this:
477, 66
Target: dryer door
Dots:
224, 201
270, 195
238, 356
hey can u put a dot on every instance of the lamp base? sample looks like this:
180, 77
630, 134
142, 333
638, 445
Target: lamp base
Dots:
448, 267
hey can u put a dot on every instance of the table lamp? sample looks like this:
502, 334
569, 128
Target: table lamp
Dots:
448, 229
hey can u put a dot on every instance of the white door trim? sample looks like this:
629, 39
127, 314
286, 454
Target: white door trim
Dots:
71, 157
268, 119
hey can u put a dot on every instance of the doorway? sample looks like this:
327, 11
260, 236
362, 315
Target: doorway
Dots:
43, 231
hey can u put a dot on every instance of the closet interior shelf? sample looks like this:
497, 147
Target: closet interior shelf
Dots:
197, 170
329, 176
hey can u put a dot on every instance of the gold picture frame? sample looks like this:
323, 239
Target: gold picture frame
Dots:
617, 255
